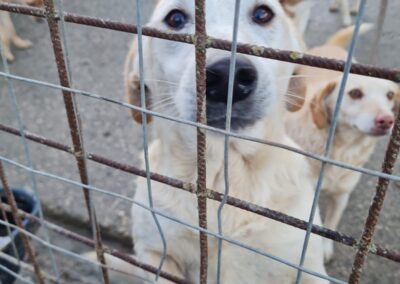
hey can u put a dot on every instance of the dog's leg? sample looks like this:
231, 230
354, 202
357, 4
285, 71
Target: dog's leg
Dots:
344, 7
10, 29
335, 6
334, 213
21, 43
354, 9
5, 45
5, 35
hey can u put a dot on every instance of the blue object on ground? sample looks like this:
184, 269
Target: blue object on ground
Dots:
27, 202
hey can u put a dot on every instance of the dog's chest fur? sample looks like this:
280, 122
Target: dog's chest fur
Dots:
275, 179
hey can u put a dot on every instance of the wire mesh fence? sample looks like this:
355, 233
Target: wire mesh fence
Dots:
56, 19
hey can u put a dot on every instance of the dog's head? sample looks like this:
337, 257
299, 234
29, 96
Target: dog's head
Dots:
369, 104
170, 68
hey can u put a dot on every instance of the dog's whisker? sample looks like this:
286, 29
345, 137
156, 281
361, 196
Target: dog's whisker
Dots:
163, 81
174, 84
162, 105
293, 103
299, 76
295, 96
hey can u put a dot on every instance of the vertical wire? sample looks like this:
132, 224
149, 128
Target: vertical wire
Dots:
28, 158
74, 121
92, 209
331, 134
145, 134
232, 69
373, 56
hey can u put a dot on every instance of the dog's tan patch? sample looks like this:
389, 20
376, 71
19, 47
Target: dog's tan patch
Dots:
318, 108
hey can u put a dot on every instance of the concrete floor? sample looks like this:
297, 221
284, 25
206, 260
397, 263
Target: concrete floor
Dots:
97, 57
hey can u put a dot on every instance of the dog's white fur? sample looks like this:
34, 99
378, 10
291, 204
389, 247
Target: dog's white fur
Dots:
264, 175
354, 141
301, 10
8, 34
346, 11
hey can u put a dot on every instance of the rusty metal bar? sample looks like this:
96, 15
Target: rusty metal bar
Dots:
365, 244
86, 241
211, 194
310, 155
201, 48
14, 209
250, 49
74, 126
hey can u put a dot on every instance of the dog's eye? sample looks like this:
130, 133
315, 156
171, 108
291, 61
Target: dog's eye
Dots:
176, 19
262, 15
390, 96
356, 94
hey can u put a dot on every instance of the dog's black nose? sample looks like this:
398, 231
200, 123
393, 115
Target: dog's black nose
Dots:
218, 78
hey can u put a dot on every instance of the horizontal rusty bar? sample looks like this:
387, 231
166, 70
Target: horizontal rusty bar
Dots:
211, 194
89, 242
255, 50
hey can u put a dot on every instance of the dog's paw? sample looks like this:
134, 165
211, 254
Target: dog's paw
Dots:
328, 250
22, 43
8, 55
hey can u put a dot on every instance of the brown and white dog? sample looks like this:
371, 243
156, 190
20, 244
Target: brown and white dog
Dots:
367, 113
261, 174
8, 34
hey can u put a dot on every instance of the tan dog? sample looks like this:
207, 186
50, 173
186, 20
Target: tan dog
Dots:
366, 114
344, 7
267, 176
8, 34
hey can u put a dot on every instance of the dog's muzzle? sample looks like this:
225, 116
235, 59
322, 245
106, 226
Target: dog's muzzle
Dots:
245, 84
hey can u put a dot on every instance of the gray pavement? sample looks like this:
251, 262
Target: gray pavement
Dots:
97, 58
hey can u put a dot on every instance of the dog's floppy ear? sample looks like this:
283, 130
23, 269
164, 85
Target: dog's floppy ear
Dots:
132, 85
396, 107
296, 93
318, 106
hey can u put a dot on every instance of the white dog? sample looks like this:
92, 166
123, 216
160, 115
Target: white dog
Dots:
344, 7
367, 113
264, 175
